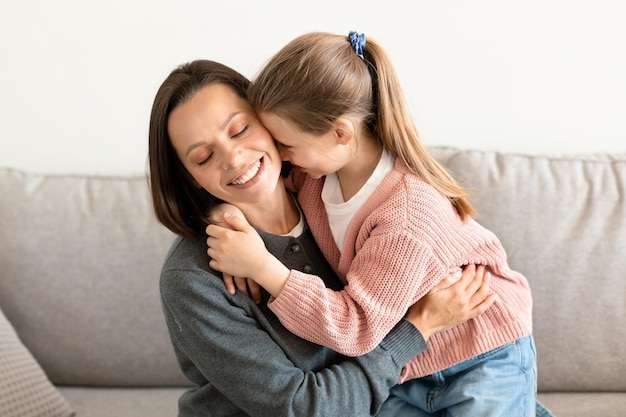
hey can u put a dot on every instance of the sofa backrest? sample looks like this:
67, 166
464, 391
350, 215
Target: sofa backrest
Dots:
562, 220
80, 258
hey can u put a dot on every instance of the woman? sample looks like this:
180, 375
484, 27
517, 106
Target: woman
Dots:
207, 147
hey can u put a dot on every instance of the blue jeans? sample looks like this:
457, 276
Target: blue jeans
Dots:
501, 382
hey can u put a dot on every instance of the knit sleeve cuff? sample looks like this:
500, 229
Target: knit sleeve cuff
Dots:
404, 342
301, 292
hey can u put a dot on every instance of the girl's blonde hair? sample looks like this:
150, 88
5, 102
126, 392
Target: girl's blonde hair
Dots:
317, 78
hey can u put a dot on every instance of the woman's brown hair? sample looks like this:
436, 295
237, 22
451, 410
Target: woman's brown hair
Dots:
178, 203
318, 77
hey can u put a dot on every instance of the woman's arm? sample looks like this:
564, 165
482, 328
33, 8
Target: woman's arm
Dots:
254, 364
242, 358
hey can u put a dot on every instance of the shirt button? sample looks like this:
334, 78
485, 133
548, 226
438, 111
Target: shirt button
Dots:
295, 247
308, 269
403, 371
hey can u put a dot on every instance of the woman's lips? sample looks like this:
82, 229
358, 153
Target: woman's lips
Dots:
250, 173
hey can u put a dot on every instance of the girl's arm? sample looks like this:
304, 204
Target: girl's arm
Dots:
387, 275
352, 321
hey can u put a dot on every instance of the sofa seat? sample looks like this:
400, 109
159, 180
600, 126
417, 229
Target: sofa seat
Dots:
123, 402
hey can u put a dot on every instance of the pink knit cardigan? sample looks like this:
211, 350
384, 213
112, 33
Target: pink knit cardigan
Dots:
402, 241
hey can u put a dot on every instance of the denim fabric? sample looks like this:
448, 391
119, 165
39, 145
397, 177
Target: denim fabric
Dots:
501, 382
542, 411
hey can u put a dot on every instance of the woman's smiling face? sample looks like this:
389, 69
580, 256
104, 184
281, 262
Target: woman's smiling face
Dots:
224, 146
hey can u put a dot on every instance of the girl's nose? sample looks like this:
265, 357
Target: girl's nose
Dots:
284, 155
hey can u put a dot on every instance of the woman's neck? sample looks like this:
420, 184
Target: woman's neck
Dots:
277, 215
361, 166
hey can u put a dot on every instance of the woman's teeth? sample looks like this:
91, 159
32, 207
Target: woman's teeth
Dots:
248, 175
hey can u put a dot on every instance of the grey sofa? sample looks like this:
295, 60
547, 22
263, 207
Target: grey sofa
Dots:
80, 256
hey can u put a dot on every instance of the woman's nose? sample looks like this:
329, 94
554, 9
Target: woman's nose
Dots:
233, 156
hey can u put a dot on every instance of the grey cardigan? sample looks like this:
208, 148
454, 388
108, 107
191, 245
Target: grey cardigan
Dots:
243, 362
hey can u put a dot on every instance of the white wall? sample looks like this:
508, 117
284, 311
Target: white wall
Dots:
78, 77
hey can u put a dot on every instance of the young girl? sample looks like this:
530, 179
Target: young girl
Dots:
391, 221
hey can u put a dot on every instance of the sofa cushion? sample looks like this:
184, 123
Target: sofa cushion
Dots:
24, 387
562, 220
81, 257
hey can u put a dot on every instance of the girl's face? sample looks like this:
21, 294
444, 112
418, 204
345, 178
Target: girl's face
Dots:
225, 148
315, 155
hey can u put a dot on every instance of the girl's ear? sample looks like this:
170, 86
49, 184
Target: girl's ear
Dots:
344, 130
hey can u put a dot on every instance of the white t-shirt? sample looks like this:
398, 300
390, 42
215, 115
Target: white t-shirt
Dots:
340, 213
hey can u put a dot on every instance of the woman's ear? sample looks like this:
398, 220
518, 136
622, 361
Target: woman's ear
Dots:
344, 130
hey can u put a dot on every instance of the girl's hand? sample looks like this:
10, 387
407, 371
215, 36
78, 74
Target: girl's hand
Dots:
452, 301
239, 251
216, 214
248, 287
235, 247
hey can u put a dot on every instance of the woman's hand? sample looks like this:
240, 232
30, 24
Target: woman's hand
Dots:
450, 303
239, 251
245, 285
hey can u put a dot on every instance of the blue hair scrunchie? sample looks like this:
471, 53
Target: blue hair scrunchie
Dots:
358, 42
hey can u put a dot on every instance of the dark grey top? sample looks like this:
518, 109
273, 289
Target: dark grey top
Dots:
245, 363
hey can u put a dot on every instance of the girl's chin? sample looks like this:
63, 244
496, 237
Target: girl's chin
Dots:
313, 175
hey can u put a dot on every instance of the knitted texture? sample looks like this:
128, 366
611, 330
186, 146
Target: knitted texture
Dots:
402, 241
25, 390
